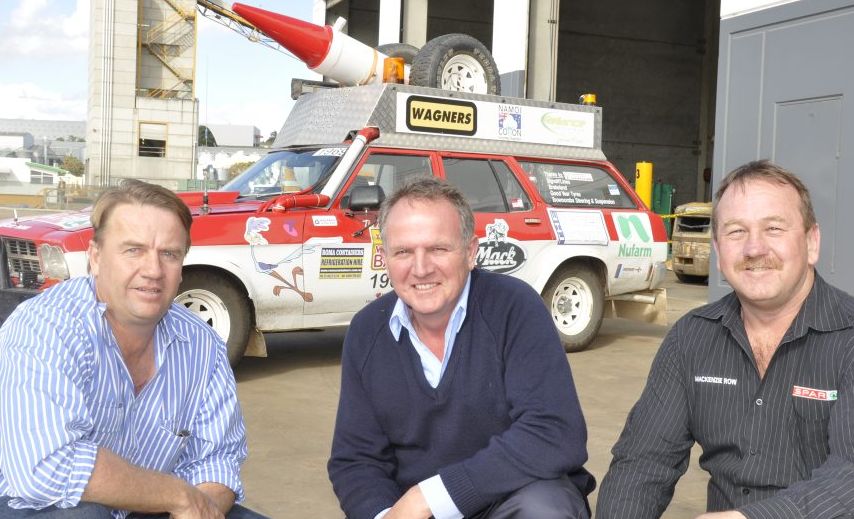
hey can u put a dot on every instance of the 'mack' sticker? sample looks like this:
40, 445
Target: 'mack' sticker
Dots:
827, 395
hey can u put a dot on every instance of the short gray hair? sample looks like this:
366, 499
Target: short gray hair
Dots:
427, 188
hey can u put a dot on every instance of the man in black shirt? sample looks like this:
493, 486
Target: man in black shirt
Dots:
762, 379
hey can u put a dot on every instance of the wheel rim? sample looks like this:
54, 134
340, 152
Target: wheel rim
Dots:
463, 73
572, 306
209, 307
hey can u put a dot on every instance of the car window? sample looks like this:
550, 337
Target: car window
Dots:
488, 185
286, 171
568, 185
389, 172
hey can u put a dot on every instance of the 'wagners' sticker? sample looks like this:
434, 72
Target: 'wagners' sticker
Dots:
814, 394
438, 115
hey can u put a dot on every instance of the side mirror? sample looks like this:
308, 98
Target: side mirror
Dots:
366, 198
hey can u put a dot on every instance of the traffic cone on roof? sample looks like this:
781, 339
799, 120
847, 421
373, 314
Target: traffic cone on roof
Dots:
324, 50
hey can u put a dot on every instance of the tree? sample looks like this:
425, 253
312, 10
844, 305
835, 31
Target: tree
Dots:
238, 168
73, 165
270, 139
206, 137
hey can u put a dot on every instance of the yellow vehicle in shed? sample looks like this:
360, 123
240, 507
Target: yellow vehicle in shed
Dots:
692, 242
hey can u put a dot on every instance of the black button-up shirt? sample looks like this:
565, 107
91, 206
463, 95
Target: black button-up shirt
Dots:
777, 447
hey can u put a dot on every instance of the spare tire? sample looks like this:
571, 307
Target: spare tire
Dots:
456, 62
399, 50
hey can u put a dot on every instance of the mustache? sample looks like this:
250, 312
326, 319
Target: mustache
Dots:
753, 263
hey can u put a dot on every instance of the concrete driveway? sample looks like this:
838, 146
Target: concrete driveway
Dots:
290, 399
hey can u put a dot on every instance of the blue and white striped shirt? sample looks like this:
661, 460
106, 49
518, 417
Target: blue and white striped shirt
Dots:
65, 391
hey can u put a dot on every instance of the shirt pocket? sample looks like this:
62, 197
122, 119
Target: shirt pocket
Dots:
811, 418
165, 446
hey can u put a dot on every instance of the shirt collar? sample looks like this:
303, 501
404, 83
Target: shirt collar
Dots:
825, 309
400, 315
166, 332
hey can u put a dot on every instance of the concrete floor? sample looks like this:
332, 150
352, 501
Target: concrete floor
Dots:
290, 399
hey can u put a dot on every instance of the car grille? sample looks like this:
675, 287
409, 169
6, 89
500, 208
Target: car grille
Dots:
693, 223
23, 263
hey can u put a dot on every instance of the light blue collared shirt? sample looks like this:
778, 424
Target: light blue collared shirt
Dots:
434, 491
65, 391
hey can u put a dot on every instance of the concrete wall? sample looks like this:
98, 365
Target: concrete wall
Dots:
644, 61
115, 111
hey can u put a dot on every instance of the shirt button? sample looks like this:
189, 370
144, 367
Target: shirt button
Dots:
753, 452
745, 491
759, 401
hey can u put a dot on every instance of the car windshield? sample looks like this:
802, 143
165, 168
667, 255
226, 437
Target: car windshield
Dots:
287, 171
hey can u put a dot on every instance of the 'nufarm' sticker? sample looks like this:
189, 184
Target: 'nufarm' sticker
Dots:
634, 233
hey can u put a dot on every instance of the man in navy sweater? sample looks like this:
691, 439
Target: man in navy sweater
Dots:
456, 396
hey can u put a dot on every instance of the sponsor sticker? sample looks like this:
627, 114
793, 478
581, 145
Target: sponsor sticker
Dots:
634, 233
613, 190
497, 252
578, 227
14, 225
329, 152
324, 220
510, 121
623, 269
377, 259
341, 263
437, 115
827, 395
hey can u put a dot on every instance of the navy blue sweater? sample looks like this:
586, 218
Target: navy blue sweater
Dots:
505, 413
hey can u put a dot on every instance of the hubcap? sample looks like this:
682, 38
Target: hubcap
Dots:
209, 307
572, 306
463, 73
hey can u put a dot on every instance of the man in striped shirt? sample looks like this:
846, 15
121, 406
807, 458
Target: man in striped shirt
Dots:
762, 380
114, 400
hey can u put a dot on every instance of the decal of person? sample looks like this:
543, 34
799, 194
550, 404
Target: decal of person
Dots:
254, 227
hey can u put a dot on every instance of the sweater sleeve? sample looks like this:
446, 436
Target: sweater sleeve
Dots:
547, 437
361, 465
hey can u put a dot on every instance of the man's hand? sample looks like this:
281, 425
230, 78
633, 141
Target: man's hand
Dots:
411, 505
729, 514
196, 504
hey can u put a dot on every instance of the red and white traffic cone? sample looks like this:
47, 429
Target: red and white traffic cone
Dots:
324, 50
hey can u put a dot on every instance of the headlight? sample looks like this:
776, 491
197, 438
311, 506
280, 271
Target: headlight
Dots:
53, 262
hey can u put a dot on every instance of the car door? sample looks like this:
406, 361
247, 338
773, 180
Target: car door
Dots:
347, 272
510, 227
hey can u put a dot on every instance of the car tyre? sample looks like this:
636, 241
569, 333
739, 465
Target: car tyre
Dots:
222, 305
399, 50
456, 62
575, 299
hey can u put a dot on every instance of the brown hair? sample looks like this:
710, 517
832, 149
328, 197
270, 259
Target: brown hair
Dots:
769, 172
132, 191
